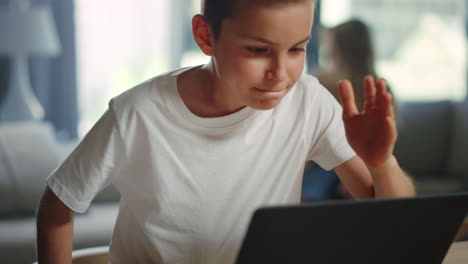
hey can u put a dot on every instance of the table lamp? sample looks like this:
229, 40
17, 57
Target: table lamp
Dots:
24, 31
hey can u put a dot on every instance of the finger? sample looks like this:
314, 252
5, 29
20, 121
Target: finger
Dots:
381, 87
392, 130
347, 99
370, 90
381, 95
389, 108
384, 98
388, 136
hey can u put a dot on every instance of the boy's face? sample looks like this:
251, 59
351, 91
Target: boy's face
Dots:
260, 52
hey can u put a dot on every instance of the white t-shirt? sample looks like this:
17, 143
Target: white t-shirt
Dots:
189, 185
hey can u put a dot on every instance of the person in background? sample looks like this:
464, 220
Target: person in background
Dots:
346, 53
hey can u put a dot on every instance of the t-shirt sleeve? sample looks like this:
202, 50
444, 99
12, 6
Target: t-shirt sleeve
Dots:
329, 146
91, 166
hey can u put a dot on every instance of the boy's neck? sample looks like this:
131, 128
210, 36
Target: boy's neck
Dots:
200, 92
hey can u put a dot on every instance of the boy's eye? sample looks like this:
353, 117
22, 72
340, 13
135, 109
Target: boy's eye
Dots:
297, 49
256, 50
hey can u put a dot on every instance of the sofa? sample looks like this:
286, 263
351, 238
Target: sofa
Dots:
432, 139
432, 145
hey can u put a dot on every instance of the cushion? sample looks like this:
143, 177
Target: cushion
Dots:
432, 184
423, 141
28, 154
458, 156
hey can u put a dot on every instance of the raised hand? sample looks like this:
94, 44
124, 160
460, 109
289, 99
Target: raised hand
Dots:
372, 134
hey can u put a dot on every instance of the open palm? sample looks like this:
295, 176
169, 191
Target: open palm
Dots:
372, 134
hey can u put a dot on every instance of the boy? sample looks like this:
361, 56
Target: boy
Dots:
195, 151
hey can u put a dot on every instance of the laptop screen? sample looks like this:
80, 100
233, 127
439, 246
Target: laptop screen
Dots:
409, 230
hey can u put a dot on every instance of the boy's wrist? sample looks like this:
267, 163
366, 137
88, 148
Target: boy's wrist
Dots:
385, 166
391, 181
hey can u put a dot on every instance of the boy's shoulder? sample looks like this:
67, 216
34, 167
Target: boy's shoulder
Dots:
314, 97
311, 87
308, 80
150, 93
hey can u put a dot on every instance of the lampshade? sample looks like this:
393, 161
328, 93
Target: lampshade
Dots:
28, 31
24, 31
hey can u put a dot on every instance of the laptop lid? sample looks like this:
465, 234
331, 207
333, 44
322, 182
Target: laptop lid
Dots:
409, 230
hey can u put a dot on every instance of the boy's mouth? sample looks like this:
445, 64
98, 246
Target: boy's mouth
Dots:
269, 93
268, 90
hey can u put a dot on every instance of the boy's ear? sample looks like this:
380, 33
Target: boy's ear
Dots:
202, 34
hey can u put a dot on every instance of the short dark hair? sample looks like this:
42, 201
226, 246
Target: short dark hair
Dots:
215, 11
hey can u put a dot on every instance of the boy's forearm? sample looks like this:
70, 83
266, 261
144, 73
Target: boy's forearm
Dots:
54, 231
390, 181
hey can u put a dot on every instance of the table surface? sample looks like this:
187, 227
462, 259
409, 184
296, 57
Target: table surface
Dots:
457, 254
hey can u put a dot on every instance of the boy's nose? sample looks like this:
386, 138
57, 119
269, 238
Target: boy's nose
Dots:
277, 71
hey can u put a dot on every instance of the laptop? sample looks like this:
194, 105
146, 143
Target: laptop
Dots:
407, 230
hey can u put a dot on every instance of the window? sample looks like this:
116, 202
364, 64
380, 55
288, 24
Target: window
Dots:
190, 54
420, 44
122, 43
119, 44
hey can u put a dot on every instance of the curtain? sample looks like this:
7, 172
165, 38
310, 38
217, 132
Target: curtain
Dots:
4, 64
313, 45
54, 79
